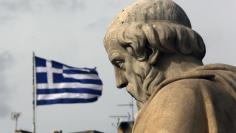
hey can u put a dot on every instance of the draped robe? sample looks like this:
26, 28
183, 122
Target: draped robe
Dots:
202, 100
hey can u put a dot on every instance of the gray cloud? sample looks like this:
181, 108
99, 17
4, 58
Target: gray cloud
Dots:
97, 24
5, 61
11, 8
68, 4
26, 5
15, 5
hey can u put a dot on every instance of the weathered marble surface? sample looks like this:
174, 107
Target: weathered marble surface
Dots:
157, 56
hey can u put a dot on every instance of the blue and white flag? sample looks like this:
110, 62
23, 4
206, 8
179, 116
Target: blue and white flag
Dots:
57, 83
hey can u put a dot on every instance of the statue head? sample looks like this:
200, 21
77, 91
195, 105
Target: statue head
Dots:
141, 36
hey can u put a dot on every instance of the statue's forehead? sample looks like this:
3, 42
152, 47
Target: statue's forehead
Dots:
113, 46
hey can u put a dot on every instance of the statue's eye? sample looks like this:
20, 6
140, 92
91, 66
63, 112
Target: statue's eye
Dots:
119, 64
117, 60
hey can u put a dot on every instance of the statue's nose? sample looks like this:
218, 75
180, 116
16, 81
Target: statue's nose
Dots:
121, 80
121, 85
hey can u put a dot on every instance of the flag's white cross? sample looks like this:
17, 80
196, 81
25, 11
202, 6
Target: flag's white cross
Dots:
49, 74
49, 70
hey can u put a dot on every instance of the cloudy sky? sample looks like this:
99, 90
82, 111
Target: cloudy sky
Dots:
71, 31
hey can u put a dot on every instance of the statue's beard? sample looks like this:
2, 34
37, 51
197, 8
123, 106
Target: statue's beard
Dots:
145, 85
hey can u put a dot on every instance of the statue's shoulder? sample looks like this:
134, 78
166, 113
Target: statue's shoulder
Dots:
174, 104
181, 86
182, 103
184, 89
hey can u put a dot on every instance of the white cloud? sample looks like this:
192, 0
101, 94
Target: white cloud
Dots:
26, 5
5, 63
10, 9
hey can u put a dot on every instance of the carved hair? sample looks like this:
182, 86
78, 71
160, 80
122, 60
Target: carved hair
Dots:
149, 39
152, 10
153, 26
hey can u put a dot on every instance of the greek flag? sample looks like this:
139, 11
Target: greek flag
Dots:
57, 83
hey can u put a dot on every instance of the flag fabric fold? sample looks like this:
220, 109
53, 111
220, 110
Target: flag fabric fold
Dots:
57, 83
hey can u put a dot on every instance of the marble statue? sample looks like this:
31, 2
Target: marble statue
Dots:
157, 56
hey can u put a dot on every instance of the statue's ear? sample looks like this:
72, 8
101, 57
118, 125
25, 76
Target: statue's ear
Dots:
151, 43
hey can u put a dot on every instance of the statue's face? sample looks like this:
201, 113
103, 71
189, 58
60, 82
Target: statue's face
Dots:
129, 72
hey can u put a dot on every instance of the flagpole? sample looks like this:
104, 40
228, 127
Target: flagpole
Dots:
34, 99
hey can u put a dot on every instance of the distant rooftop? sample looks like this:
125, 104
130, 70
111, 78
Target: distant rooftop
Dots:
22, 131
